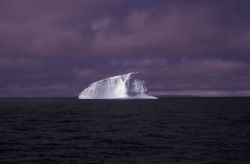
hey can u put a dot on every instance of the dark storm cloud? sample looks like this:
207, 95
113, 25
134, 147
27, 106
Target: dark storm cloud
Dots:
56, 48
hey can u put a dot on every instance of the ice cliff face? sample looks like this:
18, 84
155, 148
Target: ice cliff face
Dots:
126, 86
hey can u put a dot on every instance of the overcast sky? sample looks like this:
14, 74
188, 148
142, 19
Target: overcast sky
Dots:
58, 47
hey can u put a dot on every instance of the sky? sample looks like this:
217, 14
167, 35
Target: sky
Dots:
56, 48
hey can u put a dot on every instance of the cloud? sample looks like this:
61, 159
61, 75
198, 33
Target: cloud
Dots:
177, 45
203, 93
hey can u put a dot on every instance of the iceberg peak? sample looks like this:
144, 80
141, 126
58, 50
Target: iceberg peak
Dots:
126, 86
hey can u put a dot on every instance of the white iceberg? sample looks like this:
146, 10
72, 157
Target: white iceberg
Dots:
127, 86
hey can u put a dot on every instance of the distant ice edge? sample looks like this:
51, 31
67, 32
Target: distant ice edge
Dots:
127, 86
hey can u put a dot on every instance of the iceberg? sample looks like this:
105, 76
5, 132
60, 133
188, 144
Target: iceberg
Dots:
127, 86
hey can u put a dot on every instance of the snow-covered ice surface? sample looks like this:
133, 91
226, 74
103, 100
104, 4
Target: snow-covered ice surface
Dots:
127, 86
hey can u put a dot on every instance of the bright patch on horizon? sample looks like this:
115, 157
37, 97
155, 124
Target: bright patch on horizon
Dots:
126, 86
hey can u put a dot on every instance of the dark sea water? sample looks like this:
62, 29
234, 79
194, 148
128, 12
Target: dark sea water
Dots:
168, 130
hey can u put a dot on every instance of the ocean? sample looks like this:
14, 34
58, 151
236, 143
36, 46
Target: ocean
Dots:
168, 130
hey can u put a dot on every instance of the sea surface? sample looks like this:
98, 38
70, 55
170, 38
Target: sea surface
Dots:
168, 130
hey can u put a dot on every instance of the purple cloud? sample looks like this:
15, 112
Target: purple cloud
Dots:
56, 48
